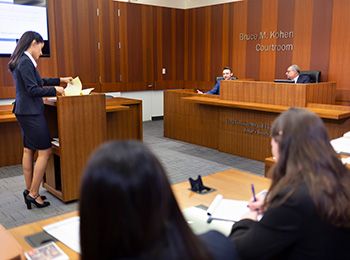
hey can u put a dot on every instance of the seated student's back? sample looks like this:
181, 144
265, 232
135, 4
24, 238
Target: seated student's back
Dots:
128, 211
307, 209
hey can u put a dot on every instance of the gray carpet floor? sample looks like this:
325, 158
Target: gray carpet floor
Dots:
181, 161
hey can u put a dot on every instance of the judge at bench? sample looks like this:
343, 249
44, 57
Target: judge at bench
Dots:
293, 73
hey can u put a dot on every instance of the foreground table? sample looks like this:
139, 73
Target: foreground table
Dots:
233, 184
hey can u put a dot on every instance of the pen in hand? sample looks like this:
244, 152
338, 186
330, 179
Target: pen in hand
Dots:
253, 192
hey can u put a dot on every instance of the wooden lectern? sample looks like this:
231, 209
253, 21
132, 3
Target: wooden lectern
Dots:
79, 123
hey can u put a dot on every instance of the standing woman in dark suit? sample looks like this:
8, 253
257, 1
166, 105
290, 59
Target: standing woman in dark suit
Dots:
29, 111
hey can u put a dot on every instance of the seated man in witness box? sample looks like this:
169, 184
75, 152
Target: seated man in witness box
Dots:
293, 73
227, 75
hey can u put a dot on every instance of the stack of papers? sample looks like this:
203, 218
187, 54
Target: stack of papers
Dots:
342, 144
75, 88
66, 231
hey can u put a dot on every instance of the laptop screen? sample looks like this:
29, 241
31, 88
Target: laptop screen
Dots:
283, 81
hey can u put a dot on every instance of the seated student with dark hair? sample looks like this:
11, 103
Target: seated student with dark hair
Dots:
293, 73
128, 211
307, 209
227, 74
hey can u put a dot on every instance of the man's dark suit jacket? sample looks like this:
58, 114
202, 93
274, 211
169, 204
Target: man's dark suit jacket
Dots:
216, 89
303, 78
29, 88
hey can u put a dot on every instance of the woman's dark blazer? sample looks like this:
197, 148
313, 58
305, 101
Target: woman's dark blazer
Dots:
291, 231
29, 88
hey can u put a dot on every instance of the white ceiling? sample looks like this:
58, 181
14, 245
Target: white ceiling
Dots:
182, 4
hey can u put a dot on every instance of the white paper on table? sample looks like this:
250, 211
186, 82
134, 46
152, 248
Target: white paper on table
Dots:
341, 144
86, 91
227, 209
66, 231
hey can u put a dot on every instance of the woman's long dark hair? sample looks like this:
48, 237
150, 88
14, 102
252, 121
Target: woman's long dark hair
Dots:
128, 210
307, 157
23, 44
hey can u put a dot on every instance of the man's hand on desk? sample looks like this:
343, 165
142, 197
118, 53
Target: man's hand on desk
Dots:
199, 92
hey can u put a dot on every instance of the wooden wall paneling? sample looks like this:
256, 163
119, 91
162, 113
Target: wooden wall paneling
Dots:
168, 37
208, 31
148, 45
77, 40
63, 19
285, 23
216, 41
134, 50
160, 63
48, 65
321, 37
169, 48
186, 43
302, 34
253, 27
122, 35
109, 42
192, 46
7, 87
201, 40
178, 53
137, 46
173, 67
225, 28
339, 61
268, 24
239, 21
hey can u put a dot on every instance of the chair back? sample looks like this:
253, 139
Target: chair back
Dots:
313, 74
221, 78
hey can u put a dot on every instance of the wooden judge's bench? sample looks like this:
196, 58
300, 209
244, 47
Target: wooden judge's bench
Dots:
238, 121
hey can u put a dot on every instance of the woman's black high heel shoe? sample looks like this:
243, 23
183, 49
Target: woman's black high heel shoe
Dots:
26, 192
29, 201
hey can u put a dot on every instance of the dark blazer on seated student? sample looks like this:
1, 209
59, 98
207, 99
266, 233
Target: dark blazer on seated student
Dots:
128, 211
307, 209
